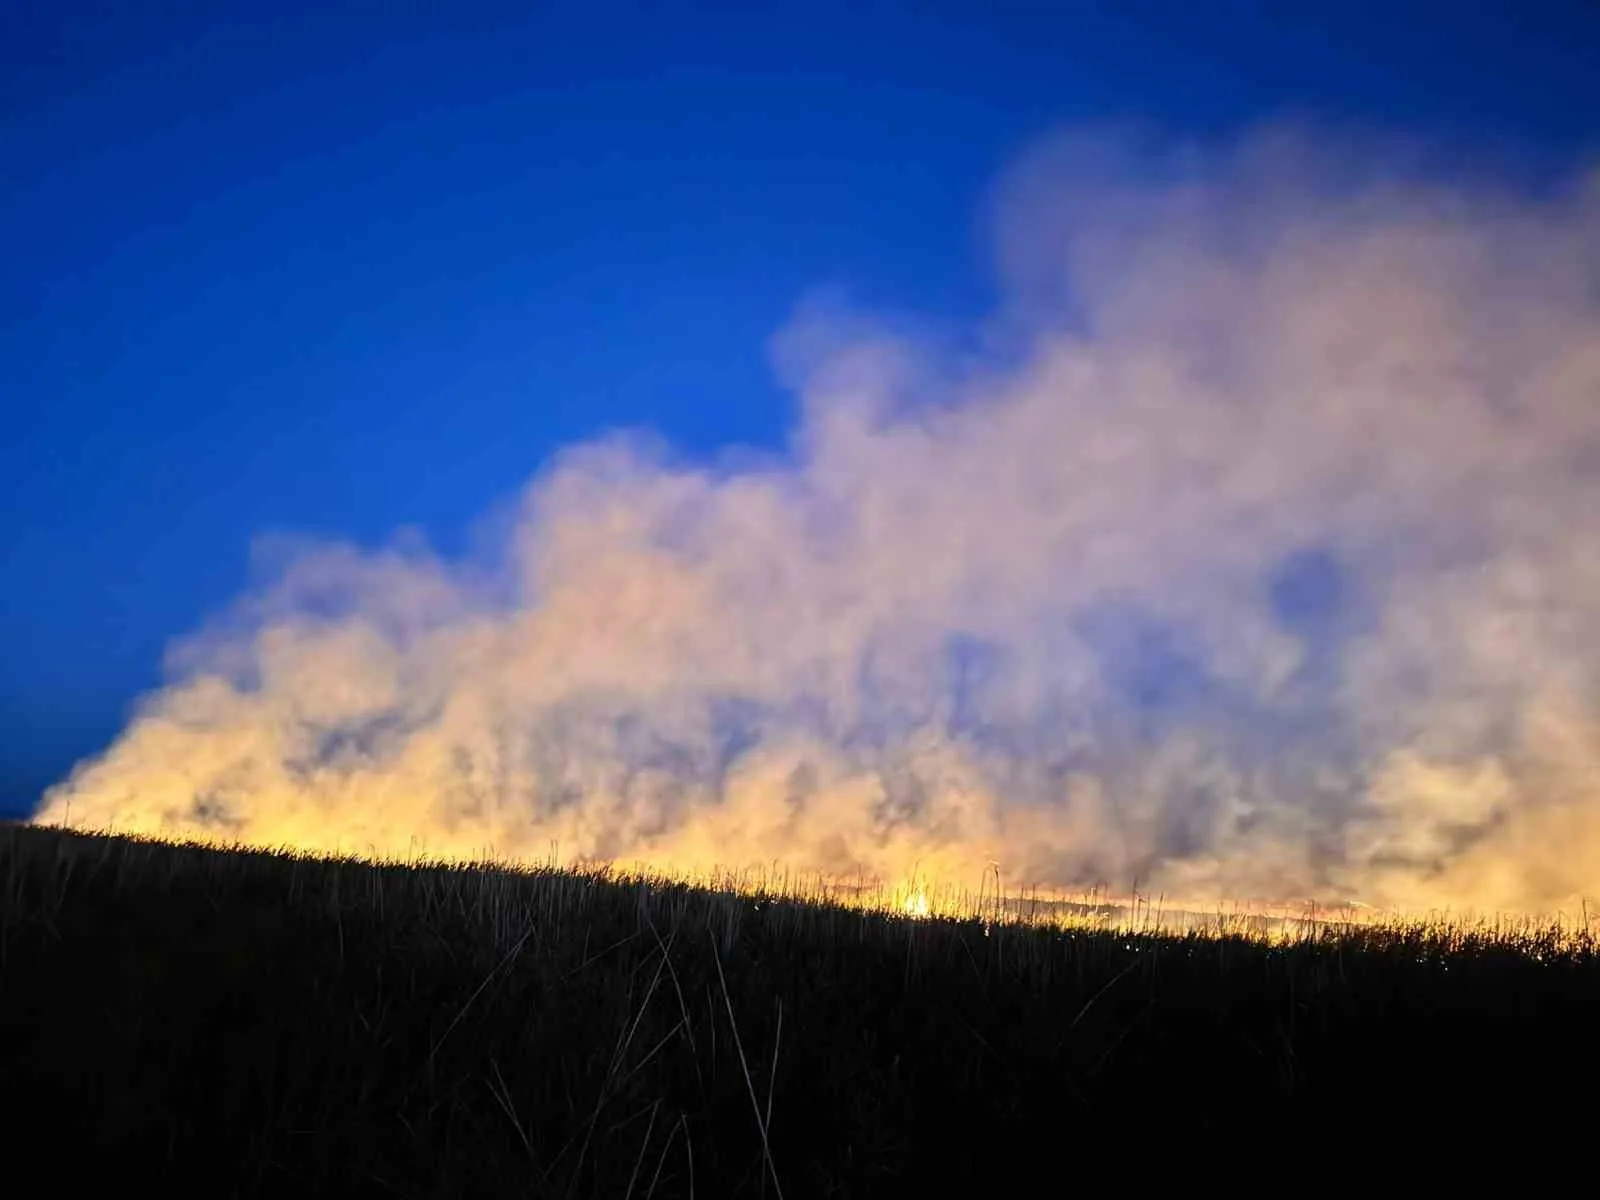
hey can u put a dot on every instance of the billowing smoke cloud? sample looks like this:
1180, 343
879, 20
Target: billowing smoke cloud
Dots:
1252, 550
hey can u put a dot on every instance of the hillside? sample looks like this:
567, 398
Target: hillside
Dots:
254, 1023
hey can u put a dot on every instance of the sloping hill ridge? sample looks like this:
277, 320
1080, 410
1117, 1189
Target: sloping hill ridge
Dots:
248, 1023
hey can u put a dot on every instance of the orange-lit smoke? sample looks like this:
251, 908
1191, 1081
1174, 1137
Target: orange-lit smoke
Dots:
1251, 549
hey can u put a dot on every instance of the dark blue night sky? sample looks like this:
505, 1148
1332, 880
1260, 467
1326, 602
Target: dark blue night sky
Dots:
337, 268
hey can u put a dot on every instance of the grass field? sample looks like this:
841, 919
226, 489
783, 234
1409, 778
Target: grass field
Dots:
249, 1023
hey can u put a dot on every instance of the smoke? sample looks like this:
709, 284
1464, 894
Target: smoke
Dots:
1249, 550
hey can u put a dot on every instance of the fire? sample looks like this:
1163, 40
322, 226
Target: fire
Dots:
915, 903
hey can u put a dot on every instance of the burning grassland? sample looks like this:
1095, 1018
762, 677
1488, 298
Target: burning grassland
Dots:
252, 1022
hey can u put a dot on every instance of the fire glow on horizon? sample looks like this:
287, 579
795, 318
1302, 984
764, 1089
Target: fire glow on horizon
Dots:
1252, 555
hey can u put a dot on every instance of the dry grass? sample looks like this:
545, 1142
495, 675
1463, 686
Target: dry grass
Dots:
264, 1022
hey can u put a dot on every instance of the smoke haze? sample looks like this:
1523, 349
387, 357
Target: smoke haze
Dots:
1248, 551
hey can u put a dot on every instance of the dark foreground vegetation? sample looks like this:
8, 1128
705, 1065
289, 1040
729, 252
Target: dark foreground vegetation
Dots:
249, 1023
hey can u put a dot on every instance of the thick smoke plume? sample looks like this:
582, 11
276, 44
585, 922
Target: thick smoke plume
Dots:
1251, 550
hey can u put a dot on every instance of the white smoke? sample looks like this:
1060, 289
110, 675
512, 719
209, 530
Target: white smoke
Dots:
1253, 555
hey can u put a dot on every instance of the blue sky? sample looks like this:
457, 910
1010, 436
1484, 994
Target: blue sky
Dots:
337, 268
